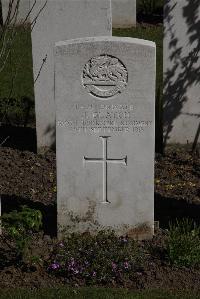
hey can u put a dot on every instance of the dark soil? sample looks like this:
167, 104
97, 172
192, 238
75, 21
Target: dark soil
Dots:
28, 178
177, 185
177, 175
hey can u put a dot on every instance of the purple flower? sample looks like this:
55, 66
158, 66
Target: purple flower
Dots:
126, 265
72, 263
124, 239
55, 266
61, 244
75, 271
94, 274
114, 266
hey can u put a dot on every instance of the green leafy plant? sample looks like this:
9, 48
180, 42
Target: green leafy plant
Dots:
18, 227
184, 243
96, 259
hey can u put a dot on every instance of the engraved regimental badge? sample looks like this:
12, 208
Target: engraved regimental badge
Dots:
104, 76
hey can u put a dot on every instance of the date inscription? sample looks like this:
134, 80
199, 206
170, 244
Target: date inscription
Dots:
104, 118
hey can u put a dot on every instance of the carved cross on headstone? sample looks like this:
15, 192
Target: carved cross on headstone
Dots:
105, 160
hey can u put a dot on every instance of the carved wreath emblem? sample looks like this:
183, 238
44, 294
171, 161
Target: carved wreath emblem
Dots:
104, 76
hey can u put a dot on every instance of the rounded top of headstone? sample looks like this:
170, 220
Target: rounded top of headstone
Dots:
129, 40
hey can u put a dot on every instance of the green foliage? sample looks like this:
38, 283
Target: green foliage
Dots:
184, 243
19, 226
99, 259
149, 7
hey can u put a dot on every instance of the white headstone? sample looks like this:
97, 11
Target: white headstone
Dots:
181, 110
60, 20
105, 93
123, 13
22, 11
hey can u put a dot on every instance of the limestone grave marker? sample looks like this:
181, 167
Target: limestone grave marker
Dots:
60, 20
105, 95
123, 13
181, 70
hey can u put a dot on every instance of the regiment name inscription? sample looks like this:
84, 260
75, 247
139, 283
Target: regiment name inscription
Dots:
104, 118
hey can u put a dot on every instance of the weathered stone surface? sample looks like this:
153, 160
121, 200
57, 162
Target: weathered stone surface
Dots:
123, 13
60, 20
105, 93
23, 11
181, 71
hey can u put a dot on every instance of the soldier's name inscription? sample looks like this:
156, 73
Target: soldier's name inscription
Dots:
98, 118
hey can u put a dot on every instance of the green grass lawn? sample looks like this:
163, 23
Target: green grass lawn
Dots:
90, 293
16, 80
18, 67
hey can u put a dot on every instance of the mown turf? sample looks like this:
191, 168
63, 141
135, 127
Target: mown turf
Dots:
90, 293
16, 80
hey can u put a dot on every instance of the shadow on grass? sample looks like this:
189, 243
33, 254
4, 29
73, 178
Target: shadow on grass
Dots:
17, 137
169, 209
153, 19
150, 11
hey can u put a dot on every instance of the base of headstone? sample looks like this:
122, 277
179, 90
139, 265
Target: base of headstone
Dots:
138, 233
